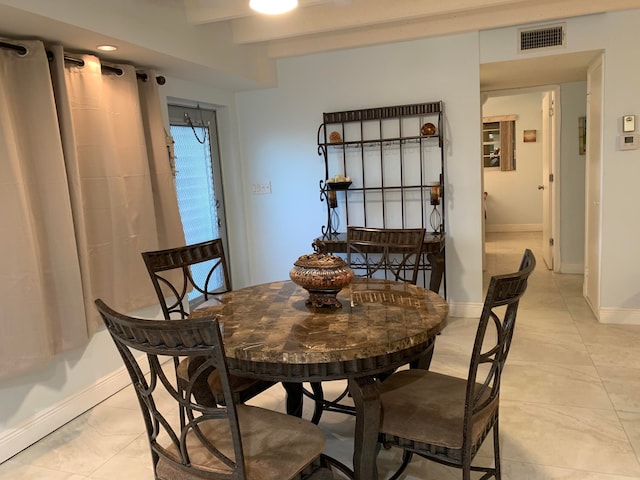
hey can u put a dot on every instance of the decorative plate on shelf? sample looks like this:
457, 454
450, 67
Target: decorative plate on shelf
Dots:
428, 129
334, 137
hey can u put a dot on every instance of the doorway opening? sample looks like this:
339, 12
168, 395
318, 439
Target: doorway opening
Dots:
570, 73
522, 198
198, 180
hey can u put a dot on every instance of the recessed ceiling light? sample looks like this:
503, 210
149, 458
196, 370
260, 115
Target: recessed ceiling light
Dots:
107, 48
273, 7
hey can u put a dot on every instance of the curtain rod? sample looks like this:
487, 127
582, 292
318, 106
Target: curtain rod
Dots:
80, 63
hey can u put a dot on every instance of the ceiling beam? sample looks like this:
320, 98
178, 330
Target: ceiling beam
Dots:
531, 12
332, 16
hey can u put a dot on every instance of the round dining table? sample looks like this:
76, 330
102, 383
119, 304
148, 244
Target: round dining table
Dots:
271, 333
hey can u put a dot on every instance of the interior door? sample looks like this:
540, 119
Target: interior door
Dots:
593, 186
546, 185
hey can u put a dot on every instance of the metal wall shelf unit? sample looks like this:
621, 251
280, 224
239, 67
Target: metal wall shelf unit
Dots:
391, 165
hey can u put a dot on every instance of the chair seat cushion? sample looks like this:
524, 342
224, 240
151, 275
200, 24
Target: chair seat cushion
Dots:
276, 446
428, 407
210, 392
238, 384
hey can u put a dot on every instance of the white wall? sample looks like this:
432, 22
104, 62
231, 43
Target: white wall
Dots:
514, 202
620, 275
573, 98
278, 128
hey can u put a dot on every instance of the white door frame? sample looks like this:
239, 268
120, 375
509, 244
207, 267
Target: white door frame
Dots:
554, 195
551, 123
593, 186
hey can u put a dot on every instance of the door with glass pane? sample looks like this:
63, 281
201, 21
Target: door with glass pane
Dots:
198, 180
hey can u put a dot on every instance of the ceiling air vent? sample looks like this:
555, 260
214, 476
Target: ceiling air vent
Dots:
550, 36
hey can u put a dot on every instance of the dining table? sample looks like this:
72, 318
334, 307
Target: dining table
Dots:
271, 333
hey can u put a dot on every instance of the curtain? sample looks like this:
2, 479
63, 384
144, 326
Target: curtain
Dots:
165, 197
86, 187
507, 154
41, 305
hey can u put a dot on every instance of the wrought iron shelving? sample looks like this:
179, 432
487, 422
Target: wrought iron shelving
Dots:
397, 173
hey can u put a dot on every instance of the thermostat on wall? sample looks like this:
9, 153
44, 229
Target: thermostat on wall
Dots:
629, 142
629, 123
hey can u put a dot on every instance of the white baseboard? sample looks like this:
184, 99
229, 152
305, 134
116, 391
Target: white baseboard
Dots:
513, 227
16, 439
621, 316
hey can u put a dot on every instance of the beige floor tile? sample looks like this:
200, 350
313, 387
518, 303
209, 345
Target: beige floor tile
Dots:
135, 459
554, 384
13, 470
541, 346
624, 355
566, 437
631, 424
77, 447
557, 321
529, 471
623, 386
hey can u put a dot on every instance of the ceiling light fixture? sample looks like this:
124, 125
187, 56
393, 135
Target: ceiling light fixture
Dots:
107, 48
273, 7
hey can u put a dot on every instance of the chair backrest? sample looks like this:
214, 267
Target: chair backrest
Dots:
160, 341
171, 272
489, 353
392, 253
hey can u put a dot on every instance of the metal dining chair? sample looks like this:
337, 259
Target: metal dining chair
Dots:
172, 274
232, 442
446, 419
389, 253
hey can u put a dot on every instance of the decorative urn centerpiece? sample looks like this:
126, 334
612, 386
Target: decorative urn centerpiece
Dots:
322, 275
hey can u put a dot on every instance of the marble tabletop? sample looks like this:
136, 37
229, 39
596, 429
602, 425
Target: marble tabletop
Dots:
270, 333
271, 323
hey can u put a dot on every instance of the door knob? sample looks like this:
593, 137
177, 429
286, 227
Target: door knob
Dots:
540, 187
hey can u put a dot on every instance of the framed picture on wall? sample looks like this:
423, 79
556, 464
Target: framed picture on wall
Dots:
582, 135
529, 136
498, 142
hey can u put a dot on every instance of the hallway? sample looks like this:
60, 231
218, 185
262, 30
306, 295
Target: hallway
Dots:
570, 407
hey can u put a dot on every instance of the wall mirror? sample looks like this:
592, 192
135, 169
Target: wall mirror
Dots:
498, 142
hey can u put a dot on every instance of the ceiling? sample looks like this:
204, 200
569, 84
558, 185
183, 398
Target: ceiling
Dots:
321, 25
315, 26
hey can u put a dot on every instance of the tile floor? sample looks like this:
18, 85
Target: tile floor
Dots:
570, 407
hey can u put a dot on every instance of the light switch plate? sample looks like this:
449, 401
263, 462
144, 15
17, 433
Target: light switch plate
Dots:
629, 123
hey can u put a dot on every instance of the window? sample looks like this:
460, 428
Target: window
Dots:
198, 180
498, 142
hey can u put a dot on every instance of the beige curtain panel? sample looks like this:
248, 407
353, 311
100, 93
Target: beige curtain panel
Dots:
41, 305
84, 190
168, 222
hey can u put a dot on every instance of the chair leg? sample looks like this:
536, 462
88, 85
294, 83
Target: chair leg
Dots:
406, 458
466, 463
496, 450
318, 397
